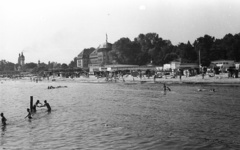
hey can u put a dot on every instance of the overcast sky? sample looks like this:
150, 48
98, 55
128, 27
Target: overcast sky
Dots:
58, 30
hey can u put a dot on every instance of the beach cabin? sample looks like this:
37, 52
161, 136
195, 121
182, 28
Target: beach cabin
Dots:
237, 65
223, 64
167, 67
175, 65
184, 67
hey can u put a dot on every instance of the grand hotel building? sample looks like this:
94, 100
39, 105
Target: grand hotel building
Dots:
94, 59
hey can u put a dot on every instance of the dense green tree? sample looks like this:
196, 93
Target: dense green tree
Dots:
73, 63
124, 51
148, 47
40, 70
9, 66
57, 66
187, 52
231, 44
6, 66
217, 51
170, 57
30, 65
2, 65
154, 49
64, 66
203, 45
236, 47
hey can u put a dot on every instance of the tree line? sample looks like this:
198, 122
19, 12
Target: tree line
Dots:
36, 68
150, 47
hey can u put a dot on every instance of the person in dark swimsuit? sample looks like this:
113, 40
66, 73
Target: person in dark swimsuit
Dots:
3, 120
165, 88
36, 105
47, 105
29, 114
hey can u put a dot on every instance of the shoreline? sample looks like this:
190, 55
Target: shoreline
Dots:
194, 80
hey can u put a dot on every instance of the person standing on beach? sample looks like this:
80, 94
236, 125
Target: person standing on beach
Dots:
180, 74
202, 75
47, 105
154, 78
3, 120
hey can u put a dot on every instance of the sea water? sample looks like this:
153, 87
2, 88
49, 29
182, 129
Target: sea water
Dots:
120, 116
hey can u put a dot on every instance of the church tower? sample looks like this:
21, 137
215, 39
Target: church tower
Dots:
21, 62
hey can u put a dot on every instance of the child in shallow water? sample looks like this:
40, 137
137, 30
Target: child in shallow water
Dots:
212, 90
47, 105
34, 109
3, 119
29, 114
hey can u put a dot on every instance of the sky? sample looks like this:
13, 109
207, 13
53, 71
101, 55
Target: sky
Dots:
58, 30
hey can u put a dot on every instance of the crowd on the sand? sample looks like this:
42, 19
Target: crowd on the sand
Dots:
31, 111
136, 76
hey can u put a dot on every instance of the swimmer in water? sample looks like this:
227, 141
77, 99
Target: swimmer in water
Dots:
212, 90
165, 88
201, 90
51, 87
47, 105
36, 105
29, 114
3, 120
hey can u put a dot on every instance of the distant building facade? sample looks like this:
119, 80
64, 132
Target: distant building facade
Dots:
94, 58
223, 64
182, 64
100, 57
83, 58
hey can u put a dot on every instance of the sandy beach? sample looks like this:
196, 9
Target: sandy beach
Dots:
217, 79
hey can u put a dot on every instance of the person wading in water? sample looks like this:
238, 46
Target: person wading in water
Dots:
36, 105
3, 120
29, 114
47, 105
165, 88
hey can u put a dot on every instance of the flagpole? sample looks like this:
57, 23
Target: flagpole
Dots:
199, 59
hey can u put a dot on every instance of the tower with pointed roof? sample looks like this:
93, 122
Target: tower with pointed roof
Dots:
21, 62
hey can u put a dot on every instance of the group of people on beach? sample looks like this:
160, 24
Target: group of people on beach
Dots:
29, 116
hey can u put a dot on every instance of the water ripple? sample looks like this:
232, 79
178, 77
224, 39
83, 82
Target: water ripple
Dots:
120, 116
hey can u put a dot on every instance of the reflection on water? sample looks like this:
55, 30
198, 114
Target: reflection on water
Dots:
3, 129
120, 116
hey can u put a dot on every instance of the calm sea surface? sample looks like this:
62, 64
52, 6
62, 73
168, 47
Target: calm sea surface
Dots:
120, 116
